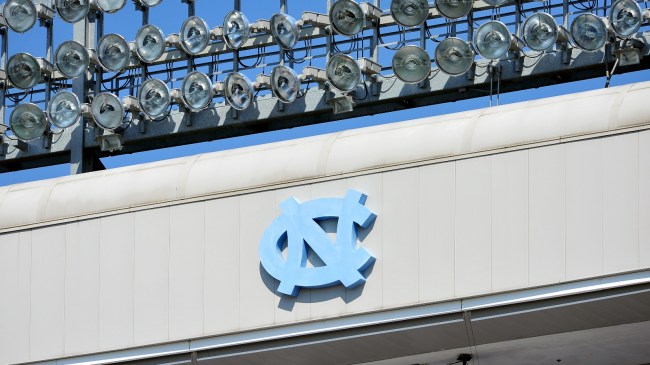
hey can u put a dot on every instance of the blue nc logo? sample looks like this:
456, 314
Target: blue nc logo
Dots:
344, 261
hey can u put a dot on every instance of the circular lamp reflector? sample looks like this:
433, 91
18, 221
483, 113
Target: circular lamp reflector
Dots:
110, 6
236, 29
284, 29
589, 32
454, 9
150, 3
114, 52
107, 111
28, 121
285, 83
196, 91
194, 35
347, 18
20, 15
626, 17
149, 43
72, 11
411, 64
496, 3
454, 56
409, 13
343, 72
154, 98
238, 90
64, 109
72, 59
492, 40
540, 31
23, 71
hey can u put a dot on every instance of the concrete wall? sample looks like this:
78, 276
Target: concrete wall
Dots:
445, 229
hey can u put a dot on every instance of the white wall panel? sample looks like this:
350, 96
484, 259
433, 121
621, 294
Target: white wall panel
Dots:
584, 209
510, 220
437, 205
116, 259
221, 298
256, 297
644, 199
82, 286
151, 276
369, 295
15, 281
547, 217
186, 270
473, 226
330, 301
620, 203
400, 254
47, 293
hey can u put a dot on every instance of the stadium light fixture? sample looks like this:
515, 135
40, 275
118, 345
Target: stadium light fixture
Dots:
454, 56
110, 6
20, 15
411, 64
454, 9
238, 91
493, 40
343, 72
541, 32
409, 13
24, 71
64, 109
626, 17
348, 18
72, 11
107, 111
194, 35
154, 98
150, 43
285, 84
589, 32
285, 30
236, 29
28, 121
113, 52
196, 91
72, 59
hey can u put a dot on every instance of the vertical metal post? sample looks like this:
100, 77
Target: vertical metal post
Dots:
4, 35
49, 55
328, 39
517, 19
565, 11
191, 8
98, 24
235, 54
283, 10
375, 38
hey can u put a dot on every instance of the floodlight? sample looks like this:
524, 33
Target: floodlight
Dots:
626, 17
24, 71
238, 90
493, 40
107, 111
540, 31
347, 17
589, 32
454, 9
72, 11
64, 109
285, 30
154, 98
236, 29
150, 3
149, 43
409, 13
113, 52
343, 72
285, 83
20, 15
72, 59
454, 56
28, 121
411, 64
194, 35
110, 6
496, 3
196, 91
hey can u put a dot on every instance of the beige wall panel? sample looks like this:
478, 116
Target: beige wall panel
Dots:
116, 258
372, 239
547, 200
509, 220
473, 226
82, 286
437, 205
620, 203
256, 296
400, 254
15, 282
47, 293
330, 301
186, 270
289, 309
221, 298
644, 199
151, 276
584, 209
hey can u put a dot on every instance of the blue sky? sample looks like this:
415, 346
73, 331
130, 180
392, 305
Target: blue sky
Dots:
169, 16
